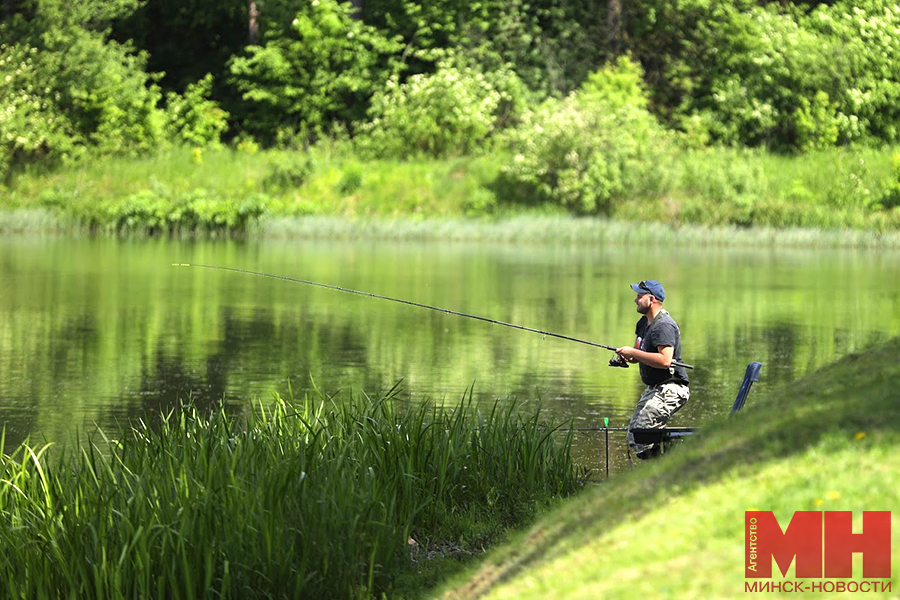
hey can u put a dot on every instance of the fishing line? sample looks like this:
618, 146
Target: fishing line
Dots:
410, 303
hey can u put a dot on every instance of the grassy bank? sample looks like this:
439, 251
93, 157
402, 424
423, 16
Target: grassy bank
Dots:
226, 191
674, 528
299, 500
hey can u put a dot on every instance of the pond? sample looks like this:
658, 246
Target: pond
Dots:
94, 332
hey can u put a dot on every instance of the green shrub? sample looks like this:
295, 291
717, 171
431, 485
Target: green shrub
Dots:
65, 90
817, 124
617, 86
890, 199
798, 193
514, 95
288, 171
450, 112
158, 211
596, 147
721, 174
193, 118
850, 189
481, 201
245, 143
319, 72
103, 90
29, 128
351, 180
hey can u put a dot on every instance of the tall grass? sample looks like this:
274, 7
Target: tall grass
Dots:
305, 499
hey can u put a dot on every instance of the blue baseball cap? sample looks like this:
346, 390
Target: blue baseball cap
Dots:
650, 286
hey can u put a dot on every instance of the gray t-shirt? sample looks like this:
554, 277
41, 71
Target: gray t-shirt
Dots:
663, 331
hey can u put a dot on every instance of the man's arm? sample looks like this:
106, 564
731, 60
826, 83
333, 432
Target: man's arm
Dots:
657, 360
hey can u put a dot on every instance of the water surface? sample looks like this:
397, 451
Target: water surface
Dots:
95, 332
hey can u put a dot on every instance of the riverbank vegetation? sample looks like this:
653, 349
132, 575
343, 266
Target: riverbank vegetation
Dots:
827, 441
312, 499
222, 190
778, 114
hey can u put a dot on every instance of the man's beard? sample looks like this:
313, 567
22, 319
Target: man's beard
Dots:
643, 309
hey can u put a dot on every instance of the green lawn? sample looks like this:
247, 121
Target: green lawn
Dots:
674, 528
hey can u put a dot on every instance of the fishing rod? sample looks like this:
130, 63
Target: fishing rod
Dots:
408, 302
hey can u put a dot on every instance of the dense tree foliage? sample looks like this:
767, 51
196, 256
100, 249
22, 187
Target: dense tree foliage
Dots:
64, 87
781, 77
443, 77
316, 74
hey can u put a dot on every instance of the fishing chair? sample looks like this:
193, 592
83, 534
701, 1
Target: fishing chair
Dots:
666, 436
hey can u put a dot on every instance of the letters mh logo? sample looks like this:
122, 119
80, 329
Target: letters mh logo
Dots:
804, 541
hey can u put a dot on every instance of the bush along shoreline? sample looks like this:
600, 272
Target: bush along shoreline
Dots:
294, 499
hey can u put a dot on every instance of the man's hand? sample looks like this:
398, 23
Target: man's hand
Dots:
627, 353
657, 360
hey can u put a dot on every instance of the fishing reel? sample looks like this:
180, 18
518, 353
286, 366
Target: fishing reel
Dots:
618, 361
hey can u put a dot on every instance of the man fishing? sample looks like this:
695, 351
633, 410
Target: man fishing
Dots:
658, 340
656, 347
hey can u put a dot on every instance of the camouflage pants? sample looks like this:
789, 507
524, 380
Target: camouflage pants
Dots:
657, 404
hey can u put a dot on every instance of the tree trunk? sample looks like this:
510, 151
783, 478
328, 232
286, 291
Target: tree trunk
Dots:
614, 26
253, 29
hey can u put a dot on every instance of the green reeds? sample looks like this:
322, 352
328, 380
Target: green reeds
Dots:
294, 500
563, 229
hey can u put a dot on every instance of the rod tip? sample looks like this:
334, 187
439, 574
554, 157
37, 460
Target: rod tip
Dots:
181, 264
